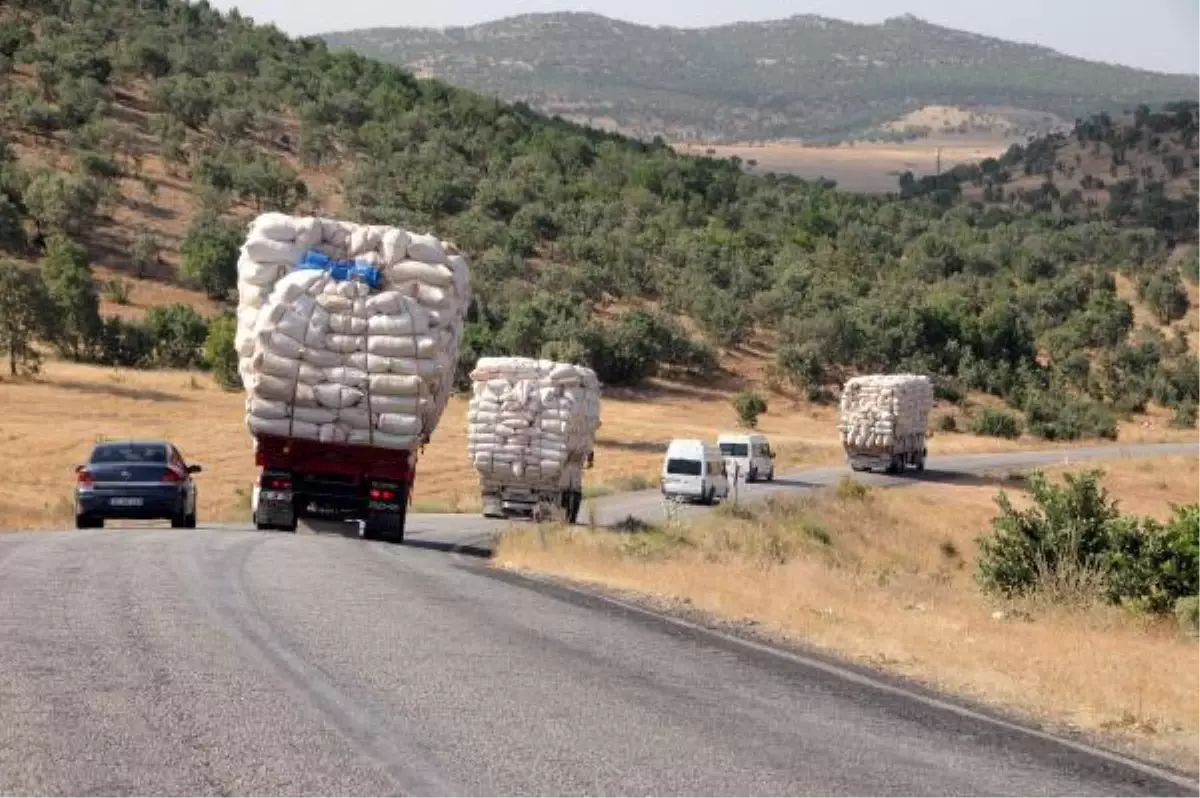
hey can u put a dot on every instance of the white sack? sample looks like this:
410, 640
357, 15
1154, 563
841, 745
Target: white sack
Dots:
338, 360
533, 421
878, 409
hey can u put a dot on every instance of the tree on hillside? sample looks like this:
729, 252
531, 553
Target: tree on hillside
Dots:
749, 406
184, 98
68, 279
209, 256
61, 202
1166, 296
26, 314
179, 333
144, 252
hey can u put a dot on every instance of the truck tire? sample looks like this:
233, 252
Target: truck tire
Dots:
390, 527
576, 503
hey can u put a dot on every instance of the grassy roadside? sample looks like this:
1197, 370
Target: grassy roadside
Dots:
887, 578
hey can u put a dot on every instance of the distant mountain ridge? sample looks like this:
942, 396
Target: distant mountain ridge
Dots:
801, 77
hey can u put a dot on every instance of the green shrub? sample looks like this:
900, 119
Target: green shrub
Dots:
947, 423
220, 355
209, 256
1074, 536
1187, 613
116, 291
126, 343
996, 423
179, 334
1152, 565
749, 406
1184, 416
1066, 418
1067, 530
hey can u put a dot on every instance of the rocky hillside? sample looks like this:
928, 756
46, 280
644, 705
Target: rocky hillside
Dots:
802, 77
1140, 169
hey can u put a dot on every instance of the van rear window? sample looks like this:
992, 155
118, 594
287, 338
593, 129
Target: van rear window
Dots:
735, 449
687, 468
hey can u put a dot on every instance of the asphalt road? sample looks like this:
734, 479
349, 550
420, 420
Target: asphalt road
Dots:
227, 661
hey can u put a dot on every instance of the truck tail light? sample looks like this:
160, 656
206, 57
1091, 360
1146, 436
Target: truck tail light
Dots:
383, 494
277, 483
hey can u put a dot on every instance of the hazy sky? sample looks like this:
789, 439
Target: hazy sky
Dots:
1162, 35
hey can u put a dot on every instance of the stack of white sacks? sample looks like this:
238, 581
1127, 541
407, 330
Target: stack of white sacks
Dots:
531, 421
323, 354
878, 409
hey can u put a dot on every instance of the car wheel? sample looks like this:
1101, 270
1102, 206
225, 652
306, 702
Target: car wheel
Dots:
190, 521
771, 475
83, 522
751, 476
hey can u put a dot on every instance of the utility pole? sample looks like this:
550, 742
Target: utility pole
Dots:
938, 168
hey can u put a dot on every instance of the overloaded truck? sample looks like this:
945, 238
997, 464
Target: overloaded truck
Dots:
347, 341
531, 426
883, 421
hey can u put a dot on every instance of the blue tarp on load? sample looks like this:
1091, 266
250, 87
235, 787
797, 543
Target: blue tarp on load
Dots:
342, 269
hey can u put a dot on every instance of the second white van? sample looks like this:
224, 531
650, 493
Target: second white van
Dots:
752, 454
694, 470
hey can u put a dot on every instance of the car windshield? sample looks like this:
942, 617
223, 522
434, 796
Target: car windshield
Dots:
130, 453
735, 449
689, 468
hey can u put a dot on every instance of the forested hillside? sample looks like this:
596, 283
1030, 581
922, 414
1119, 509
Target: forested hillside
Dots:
140, 134
802, 77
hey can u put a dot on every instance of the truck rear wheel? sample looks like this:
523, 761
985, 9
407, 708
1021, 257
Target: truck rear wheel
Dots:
574, 501
388, 527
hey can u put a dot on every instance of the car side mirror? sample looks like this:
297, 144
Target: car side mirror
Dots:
78, 468
772, 455
194, 469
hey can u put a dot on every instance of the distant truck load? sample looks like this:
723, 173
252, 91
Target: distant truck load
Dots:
347, 341
883, 421
531, 426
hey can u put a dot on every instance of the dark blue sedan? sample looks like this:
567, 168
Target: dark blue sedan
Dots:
135, 480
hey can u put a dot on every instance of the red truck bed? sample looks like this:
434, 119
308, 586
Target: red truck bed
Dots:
344, 459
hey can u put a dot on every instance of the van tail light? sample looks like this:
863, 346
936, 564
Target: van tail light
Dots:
84, 477
172, 476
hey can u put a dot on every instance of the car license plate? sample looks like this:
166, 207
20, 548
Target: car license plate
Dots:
126, 501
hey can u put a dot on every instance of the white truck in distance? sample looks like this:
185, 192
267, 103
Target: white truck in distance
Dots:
883, 421
531, 426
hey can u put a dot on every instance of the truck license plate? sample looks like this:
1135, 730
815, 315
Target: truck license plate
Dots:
273, 495
125, 501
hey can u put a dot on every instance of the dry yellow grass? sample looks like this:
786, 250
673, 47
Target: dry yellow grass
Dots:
894, 587
51, 422
862, 166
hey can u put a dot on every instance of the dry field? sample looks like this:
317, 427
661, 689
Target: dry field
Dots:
863, 166
51, 422
887, 579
